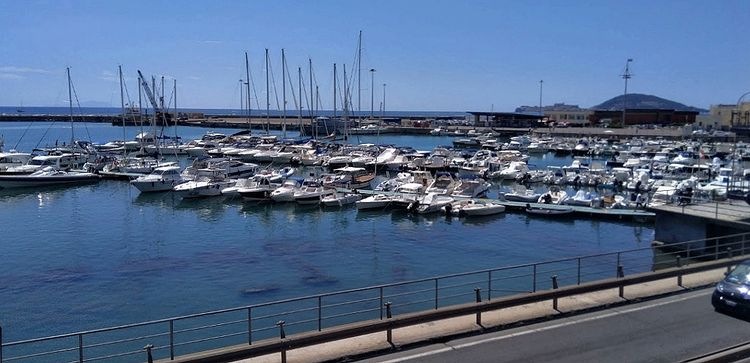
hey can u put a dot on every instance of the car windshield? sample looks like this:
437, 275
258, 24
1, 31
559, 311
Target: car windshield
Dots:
740, 274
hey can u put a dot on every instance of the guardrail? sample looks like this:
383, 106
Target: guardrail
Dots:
182, 335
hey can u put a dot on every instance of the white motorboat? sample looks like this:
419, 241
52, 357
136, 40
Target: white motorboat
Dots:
46, 177
285, 193
474, 208
12, 159
208, 183
376, 201
470, 188
442, 184
340, 199
311, 192
57, 162
554, 196
259, 188
581, 198
430, 203
512, 171
522, 195
349, 177
162, 179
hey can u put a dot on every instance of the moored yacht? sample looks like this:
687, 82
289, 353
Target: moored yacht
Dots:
160, 180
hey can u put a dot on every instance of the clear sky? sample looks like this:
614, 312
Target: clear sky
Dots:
432, 54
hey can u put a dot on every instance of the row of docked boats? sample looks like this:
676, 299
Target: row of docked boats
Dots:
648, 167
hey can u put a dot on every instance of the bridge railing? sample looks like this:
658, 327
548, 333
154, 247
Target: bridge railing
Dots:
171, 337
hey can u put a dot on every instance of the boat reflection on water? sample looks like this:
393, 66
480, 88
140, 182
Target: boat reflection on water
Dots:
162, 200
208, 209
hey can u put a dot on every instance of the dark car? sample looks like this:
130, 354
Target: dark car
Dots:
733, 292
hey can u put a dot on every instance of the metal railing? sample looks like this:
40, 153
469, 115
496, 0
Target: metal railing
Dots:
171, 337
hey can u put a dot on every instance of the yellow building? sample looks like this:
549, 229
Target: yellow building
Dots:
730, 116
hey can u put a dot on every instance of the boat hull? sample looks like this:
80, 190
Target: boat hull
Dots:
26, 181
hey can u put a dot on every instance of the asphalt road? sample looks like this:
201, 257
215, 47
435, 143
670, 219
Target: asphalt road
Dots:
670, 329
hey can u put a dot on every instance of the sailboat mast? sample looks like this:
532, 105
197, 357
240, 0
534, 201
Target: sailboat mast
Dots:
334, 91
176, 114
70, 105
283, 93
122, 104
299, 107
247, 78
359, 74
312, 94
268, 99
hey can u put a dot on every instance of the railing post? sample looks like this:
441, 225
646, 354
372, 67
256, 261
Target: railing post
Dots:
533, 280
320, 313
171, 339
621, 274
679, 277
579, 272
249, 326
489, 286
282, 335
80, 348
149, 356
617, 266
554, 287
743, 245
381, 303
389, 332
478, 293
436, 294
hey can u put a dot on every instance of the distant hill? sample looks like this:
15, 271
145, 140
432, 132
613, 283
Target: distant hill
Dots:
637, 100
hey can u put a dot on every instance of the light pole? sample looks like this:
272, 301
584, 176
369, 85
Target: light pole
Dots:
541, 112
372, 92
383, 115
626, 76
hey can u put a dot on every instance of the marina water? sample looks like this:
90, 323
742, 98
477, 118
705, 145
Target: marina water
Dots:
100, 255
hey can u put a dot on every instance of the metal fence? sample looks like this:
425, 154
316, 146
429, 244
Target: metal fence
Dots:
167, 338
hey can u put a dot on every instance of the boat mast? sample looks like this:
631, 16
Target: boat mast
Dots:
346, 106
334, 91
140, 106
70, 105
247, 78
359, 75
122, 106
176, 117
312, 94
299, 108
283, 93
268, 100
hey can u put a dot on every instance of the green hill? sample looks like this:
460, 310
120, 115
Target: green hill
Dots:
637, 100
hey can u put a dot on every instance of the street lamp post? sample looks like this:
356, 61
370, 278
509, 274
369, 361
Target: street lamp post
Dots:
626, 76
383, 114
541, 112
372, 92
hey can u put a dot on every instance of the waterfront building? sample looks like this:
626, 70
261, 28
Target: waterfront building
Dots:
505, 119
641, 116
732, 115
560, 113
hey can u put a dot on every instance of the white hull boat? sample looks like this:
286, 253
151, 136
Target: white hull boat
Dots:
340, 200
474, 208
46, 177
162, 179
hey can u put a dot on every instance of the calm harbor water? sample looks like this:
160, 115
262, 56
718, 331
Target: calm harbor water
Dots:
100, 255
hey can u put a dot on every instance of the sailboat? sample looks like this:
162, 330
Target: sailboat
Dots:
50, 175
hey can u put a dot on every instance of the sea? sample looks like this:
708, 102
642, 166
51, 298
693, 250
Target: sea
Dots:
101, 255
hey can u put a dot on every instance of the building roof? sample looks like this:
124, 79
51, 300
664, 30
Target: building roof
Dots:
514, 115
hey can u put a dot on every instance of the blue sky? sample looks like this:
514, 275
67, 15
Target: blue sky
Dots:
433, 55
